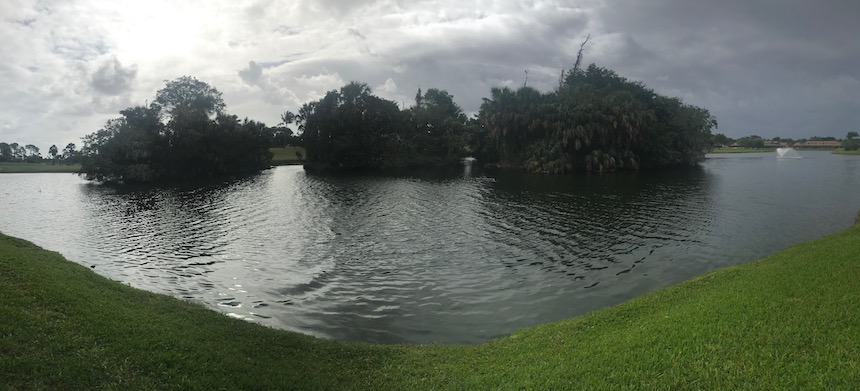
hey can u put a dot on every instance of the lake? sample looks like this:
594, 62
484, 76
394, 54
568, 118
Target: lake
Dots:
450, 256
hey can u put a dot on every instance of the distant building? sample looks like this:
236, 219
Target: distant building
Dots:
775, 144
819, 144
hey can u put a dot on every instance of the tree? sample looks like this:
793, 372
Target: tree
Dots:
53, 152
17, 151
282, 134
353, 129
6, 152
70, 152
721, 139
751, 142
189, 97
851, 142
439, 129
33, 154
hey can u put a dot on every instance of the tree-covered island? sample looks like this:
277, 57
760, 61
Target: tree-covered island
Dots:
595, 120
354, 129
184, 134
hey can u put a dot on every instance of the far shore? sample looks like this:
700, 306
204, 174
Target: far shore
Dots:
280, 157
842, 151
287, 156
295, 156
742, 150
19, 167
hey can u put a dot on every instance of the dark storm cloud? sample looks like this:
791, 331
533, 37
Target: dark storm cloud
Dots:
768, 67
252, 74
112, 78
469, 52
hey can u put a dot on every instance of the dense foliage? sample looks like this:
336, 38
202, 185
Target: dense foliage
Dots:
184, 134
596, 120
851, 142
354, 129
750, 142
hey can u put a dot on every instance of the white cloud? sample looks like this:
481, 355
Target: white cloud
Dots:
112, 78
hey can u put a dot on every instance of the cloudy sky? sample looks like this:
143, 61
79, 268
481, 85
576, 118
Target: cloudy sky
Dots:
770, 67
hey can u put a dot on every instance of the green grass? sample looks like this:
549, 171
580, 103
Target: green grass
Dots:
842, 151
6, 167
790, 321
742, 150
285, 156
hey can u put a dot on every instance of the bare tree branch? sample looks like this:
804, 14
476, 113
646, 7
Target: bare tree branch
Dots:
579, 54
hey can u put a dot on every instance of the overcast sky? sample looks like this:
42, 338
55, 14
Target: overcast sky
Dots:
773, 67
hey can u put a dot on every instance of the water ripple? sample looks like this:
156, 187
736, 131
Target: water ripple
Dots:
425, 257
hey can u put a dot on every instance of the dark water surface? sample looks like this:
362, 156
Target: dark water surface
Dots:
454, 257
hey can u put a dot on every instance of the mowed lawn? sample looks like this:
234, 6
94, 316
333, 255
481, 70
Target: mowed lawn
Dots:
8, 167
742, 150
789, 321
284, 156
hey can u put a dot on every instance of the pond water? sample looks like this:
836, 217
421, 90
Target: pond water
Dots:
452, 256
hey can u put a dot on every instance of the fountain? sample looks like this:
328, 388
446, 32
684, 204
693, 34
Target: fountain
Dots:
787, 153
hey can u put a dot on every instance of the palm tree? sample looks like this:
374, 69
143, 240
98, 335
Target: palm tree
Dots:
287, 117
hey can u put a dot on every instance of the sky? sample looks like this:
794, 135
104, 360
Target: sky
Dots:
782, 68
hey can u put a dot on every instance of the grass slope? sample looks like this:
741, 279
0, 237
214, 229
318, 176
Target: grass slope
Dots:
9, 167
286, 156
789, 321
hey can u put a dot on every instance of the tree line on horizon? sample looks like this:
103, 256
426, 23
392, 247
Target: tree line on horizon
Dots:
14, 152
851, 142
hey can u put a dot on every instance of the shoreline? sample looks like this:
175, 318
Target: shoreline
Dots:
741, 150
37, 168
744, 326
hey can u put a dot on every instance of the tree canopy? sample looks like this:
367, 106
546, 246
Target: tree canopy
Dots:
751, 142
353, 129
851, 142
596, 120
187, 96
199, 140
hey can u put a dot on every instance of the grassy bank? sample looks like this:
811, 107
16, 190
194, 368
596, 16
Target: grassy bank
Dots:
286, 156
7, 167
790, 321
842, 151
742, 150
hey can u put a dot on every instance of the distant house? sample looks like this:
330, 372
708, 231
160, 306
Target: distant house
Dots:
819, 144
775, 144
